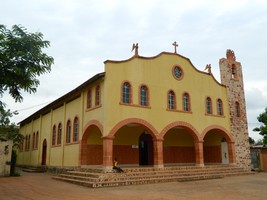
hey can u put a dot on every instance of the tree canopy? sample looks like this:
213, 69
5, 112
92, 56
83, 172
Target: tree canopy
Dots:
263, 128
21, 61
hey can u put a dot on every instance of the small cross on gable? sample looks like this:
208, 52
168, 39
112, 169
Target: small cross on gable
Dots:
175, 46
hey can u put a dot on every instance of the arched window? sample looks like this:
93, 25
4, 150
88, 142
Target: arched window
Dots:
26, 142
208, 105
143, 96
237, 109
59, 133
33, 140
219, 107
171, 100
75, 129
233, 72
21, 146
126, 92
29, 141
37, 139
68, 132
54, 135
97, 95
186, 102
89, 98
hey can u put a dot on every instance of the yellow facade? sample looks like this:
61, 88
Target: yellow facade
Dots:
124, 123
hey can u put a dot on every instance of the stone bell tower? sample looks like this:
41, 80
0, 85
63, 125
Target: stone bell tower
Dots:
231, 76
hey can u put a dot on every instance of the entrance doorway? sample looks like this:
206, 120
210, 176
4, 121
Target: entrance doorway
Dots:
224, 150
146, 156
44, 152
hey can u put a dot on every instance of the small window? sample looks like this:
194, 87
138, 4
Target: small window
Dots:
171, 100
97, 96
76, 130
177, 72
26, 142
233, 72
68, 132
29, 142
21, 145
89, 98
143, 96
208, 105
54, 135
126, 93
186, 102
37, 140
219, 107
59, 133
237, 109
33, 141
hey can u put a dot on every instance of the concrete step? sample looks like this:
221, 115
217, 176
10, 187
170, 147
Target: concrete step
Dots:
148, 175
143, 180
33, 169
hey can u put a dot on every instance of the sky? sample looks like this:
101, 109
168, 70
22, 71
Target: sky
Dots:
85, 33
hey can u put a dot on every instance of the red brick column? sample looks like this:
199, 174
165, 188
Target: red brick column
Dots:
158, 153
107, 153
199, 153
231, 152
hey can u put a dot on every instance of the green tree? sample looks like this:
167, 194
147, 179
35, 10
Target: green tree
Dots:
263, 128
7, 130
21, 61
251, 141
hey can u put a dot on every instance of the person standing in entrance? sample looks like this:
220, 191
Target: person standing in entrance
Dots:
116, 167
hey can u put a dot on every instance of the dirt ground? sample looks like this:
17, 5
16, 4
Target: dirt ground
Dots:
38, 186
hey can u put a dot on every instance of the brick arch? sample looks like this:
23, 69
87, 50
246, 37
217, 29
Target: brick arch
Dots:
227, 136
192, 131
154, 132
222, 131
90, 124
83, 150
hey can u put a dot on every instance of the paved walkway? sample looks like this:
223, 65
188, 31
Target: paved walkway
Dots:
40, 186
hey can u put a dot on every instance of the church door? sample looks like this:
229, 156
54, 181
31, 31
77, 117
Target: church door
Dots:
44, 152
224, 150
146, 149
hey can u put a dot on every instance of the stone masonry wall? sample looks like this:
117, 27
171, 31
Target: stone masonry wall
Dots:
239, 126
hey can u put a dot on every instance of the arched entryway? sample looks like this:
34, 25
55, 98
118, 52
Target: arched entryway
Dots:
218, 147
44, 150
178, 147
146, 149
181, 144
133, 142
91, 150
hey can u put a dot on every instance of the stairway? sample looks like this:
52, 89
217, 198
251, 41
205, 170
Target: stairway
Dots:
33, 169
95, 178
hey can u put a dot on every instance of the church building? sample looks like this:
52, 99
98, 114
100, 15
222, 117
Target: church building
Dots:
144, 111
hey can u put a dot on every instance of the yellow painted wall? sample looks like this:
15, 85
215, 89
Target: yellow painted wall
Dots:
46, 134
157, 75
56, 156
128, 135
71, 155
178, 137
94, 113
212, 138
